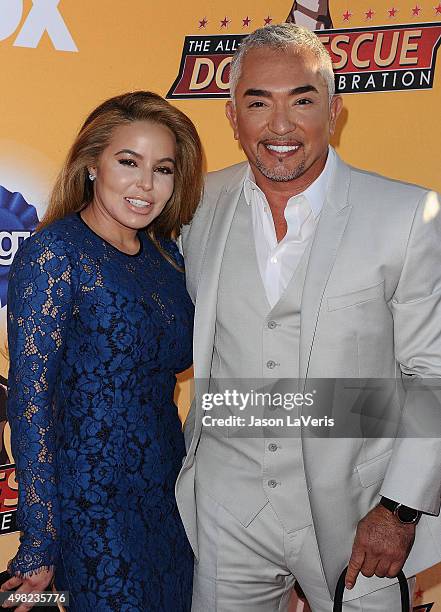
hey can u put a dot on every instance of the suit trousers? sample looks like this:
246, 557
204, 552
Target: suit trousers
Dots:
254, 568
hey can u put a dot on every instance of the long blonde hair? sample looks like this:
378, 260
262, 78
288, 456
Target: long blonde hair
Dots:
73, 189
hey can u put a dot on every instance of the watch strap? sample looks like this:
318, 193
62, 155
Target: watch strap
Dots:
403, 513
389, 503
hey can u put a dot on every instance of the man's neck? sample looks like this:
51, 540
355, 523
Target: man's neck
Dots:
278, 193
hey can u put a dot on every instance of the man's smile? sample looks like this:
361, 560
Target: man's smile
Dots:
281, 150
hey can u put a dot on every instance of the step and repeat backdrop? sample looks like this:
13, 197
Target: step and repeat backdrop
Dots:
60, 58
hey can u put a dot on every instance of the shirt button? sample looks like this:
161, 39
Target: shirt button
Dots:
272, 447
273, 259
271, 364
272, 483
272, 324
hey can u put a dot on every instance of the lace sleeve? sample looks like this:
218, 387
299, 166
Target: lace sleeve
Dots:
40, 302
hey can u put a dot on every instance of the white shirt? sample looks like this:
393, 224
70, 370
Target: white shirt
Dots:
278, 261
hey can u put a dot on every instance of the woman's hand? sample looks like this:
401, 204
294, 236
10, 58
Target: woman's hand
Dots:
34, 584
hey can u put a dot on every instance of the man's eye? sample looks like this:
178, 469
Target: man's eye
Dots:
256, 104
128, 162
164, 170
302, 101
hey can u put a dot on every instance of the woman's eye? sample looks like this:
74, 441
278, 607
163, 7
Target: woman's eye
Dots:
128, 162
164, 170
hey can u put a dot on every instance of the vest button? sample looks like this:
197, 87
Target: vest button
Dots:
272, 324
271, 364
272, 483
272, 447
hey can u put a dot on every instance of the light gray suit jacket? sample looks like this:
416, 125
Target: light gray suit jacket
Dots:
371, 308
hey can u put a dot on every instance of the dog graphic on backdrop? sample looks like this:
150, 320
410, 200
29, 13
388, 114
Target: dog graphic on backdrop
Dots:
312, 14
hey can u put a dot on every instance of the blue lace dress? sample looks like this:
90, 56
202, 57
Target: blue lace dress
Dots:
95, 339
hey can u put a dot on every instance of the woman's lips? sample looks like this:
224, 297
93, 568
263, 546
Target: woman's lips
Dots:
138, 205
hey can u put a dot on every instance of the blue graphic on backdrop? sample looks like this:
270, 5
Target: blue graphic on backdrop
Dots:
18, 220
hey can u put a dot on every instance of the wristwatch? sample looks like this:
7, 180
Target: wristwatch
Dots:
403, 513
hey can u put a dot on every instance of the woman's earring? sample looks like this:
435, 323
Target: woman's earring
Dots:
92, 177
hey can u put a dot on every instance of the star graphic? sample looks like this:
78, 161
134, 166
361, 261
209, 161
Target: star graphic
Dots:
393, 12
347, 16
246, 22
224, 23
369, 14
203, 23
267, 20
438, 9
416, 11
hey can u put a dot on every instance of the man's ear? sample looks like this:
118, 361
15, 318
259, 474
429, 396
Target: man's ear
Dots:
230, 111
334, 111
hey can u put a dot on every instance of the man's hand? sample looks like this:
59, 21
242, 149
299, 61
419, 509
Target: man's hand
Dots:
381, 546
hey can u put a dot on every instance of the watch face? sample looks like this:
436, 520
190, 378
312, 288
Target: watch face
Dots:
406, 515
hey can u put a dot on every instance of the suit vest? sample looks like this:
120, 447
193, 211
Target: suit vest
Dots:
254, 347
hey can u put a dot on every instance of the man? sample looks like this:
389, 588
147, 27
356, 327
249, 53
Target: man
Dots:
302, 267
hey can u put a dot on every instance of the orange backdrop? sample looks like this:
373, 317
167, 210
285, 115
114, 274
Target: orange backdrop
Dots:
60, 58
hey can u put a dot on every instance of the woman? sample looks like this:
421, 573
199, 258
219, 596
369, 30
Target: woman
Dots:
99, 322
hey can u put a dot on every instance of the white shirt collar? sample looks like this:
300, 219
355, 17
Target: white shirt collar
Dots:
315, 194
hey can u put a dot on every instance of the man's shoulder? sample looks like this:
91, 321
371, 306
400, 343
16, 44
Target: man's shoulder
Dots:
226, 177
367, 183
216, 182
373, 194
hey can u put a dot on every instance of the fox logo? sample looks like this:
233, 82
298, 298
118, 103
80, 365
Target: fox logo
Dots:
44, 16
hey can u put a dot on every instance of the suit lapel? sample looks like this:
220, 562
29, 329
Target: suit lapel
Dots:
206, 302
330, 229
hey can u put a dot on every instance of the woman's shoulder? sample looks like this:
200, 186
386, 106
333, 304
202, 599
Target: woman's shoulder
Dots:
59, 238
170, 245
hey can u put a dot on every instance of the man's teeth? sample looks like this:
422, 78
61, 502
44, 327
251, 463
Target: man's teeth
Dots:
138, 203
282, 148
